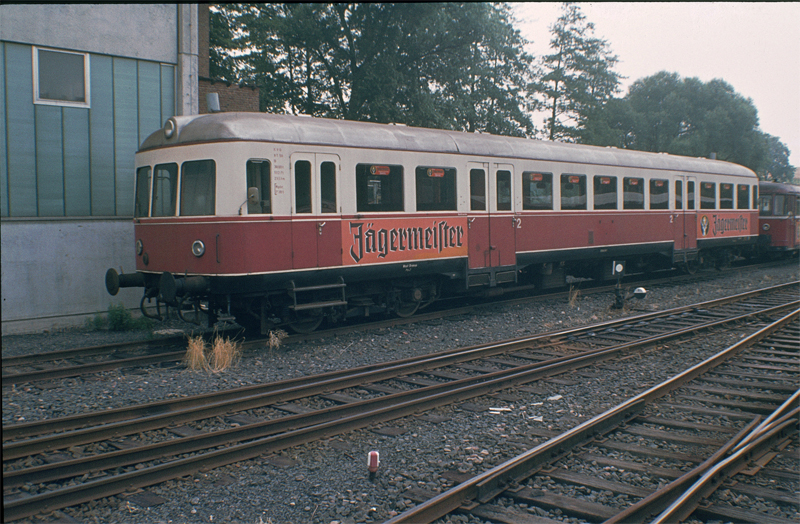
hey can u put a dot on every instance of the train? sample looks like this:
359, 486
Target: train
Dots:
779, 219
279, 220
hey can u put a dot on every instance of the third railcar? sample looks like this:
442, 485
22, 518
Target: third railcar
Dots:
779, 214
278, 219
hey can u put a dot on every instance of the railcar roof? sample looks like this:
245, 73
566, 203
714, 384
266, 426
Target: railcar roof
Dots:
776, 187
343, 133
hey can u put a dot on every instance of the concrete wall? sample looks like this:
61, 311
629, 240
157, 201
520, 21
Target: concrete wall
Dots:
53, 274
143, 31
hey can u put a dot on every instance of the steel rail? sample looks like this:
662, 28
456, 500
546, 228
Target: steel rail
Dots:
15, 450
447, 393
28, 429
489, 484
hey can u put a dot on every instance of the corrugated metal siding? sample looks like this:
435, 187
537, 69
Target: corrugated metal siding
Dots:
20, 131
101, 139
4, 135
66, 161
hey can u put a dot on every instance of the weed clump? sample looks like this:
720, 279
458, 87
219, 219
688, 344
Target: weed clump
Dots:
118, 318
221, 354
275, 339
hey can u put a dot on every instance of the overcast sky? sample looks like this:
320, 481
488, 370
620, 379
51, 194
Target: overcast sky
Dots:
754, 47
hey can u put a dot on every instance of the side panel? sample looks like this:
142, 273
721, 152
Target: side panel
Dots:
502, 223
478, 224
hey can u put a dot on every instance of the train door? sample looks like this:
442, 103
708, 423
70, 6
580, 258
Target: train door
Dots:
316, 236
479, 242
502, 222
687, 217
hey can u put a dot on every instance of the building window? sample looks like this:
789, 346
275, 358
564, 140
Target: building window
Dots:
436, 188
537, 190
60, 78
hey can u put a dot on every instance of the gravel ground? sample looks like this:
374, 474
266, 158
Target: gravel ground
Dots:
327, 481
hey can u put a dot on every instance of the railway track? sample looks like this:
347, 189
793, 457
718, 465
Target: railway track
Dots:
55, 463
749, 400
171, 350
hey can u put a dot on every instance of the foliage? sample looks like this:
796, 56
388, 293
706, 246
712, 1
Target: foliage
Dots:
222, 354
682, 116
776, 166
120, 319
452, 65
579, 78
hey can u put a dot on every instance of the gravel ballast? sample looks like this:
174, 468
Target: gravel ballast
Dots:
327, 481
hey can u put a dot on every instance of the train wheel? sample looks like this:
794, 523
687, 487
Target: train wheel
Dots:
406, 309
691, 267
306, 322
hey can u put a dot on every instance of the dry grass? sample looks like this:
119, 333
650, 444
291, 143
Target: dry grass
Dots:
222, 354
276, 338
195, 358
574, 294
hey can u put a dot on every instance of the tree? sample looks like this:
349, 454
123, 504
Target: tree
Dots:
456, 66
579, 78
776, 166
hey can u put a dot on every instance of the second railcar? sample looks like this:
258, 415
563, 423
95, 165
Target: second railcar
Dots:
779, 218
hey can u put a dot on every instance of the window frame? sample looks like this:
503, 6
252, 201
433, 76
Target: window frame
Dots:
260, 162
38, 100
527, 202
654, 183
445, 183
184, 199
396, 178
597, 184
727, 195
740, 190
704, 198
582, 206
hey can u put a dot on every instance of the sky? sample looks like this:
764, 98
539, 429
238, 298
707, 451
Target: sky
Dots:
754, 47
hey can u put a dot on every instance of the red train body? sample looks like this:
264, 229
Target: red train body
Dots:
277, 219
779, 218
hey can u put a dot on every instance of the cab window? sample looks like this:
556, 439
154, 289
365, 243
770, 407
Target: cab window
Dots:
537, 190
259, 187
379, 188
198, 186
765, 206
436, 188
165, 185
142, 206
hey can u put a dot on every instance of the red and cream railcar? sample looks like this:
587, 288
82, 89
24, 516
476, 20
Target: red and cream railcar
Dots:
779, 217
282, 219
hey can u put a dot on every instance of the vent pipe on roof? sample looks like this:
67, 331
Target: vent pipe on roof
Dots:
712, 156
212, 101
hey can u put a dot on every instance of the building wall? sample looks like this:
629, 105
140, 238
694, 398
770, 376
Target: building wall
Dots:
67, 173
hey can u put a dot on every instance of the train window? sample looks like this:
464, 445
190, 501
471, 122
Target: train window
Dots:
708, 195
537, 190
198, 186
690, 198
726, 196
327, 187
573, 192
302, 186
780, 209
765, 206
679, 194
379, 188
165, 184
436, 188
632, 193
258, 176
605, 192
659, 194
755, 197
743, 196
477, 189
141, 207
504, 190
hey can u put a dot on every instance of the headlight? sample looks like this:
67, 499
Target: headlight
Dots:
198, 248
139, 247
